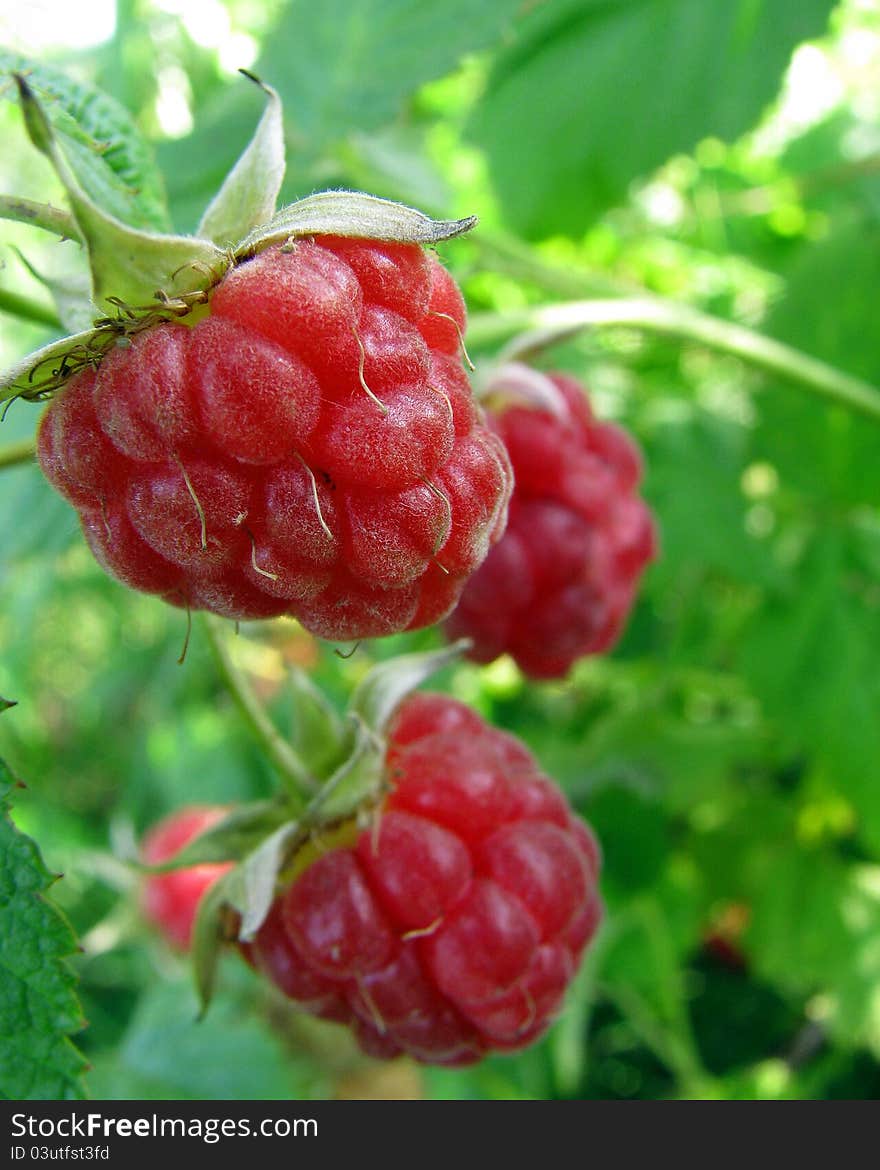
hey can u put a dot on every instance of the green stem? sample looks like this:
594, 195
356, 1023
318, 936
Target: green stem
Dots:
43, 215
299, 780
549, 324
14, 454
21, 306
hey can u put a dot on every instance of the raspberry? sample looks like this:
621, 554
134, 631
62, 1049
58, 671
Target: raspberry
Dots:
309, 447
561, 582
170, 900
453, 924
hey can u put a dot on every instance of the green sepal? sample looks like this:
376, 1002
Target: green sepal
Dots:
246, 893
354, 214
359, 781
383, 689
356, 784
111, 159
41, 372
250, 190
234, 836
139, 278
126, 264
70, 294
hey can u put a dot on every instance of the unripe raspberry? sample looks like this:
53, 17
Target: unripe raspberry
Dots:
562, 580
170, 900
452, 925
308, 446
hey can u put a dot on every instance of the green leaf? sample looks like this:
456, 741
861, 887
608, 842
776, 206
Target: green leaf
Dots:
38, 1006
810, 655
343, 66
592, 95
250, 190
51, 527
111, 161
168, 1053
814, 928
705, 529
826, 450
247, 890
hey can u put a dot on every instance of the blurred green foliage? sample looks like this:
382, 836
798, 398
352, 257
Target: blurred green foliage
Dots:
726, 752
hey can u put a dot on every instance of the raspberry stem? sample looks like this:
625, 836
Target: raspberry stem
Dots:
43, 215
549, 324
299, 782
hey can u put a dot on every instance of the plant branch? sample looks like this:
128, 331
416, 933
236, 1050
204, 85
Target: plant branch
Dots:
299, 780
43, 215
14, 454
548, 324
21, 306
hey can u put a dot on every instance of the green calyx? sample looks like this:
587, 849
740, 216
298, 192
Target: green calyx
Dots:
139, 277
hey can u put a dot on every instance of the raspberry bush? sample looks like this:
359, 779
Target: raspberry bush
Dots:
258, 404
562, 581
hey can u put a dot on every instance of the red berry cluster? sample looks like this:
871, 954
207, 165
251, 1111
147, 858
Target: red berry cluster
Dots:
561, 582
309, 447
454, 923
170, 900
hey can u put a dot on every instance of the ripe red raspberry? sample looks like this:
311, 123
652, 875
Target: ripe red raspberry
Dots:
453, 924
309, 447
561, 582
170, 900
